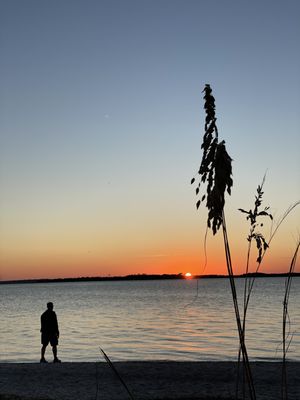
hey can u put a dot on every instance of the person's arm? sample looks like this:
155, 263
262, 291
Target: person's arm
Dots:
56, 323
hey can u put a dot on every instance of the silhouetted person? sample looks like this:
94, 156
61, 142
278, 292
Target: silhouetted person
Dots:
50, 332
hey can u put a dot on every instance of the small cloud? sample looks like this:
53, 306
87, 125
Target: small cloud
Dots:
155, 255
106, 116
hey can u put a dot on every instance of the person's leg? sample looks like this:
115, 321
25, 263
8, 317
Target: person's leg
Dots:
43, 350
54, 349
45, 342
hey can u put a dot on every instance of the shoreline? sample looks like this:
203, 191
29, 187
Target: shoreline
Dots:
155, 380
145, 277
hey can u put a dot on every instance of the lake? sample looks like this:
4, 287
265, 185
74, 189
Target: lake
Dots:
148, 320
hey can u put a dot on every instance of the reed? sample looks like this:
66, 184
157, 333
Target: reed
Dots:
261, 243
215, 174
255, 216
285, 322
116, 373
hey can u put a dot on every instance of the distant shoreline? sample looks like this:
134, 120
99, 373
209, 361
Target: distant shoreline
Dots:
143, 277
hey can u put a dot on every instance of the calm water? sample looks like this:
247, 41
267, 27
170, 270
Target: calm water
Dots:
147, 320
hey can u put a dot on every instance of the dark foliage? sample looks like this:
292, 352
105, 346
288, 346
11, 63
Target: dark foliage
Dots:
252, 216
215, 168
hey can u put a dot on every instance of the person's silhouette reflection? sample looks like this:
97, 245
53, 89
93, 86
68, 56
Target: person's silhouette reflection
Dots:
50, 332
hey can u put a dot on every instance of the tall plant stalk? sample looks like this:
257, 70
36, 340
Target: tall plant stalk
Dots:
243, 348
285, 319
261, 244
215, 172
254, 216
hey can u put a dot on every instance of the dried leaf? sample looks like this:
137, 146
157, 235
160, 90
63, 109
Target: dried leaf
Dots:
262, 213
243, 211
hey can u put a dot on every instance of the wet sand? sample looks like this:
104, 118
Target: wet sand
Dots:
161, 380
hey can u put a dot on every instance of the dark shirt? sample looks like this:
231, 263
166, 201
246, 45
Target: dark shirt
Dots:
49, 323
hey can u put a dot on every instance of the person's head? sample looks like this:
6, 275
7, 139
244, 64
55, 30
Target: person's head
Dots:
50, 305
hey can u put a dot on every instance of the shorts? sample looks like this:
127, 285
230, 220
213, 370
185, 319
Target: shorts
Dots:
52, 338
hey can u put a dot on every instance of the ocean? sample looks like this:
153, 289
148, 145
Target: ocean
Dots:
182, 320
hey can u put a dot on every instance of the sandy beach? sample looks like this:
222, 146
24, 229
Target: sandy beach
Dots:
145, 380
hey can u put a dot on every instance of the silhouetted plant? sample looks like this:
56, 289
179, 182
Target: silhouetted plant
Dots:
261, 244
215, 179
254, 216
215, 172
285, 319
107, 359
215, 168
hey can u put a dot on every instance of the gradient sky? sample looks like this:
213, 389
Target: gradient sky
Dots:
102, 122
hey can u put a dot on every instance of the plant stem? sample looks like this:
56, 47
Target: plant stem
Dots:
237, 313
288, 282
117, 373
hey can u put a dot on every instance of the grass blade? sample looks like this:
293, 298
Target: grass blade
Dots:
285, 318
117, 374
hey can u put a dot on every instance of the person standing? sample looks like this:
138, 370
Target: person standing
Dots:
50, 332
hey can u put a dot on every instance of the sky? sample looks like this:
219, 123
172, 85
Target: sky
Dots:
102, 122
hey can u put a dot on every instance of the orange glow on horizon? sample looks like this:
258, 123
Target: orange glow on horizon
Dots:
86, 259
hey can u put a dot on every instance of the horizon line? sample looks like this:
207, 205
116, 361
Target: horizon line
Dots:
144, 277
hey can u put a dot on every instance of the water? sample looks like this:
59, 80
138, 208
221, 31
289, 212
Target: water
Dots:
147, 320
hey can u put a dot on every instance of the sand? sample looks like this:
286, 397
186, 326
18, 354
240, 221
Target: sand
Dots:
161, 380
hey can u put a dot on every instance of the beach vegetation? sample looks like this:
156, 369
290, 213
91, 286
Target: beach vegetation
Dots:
214, 179
286, 334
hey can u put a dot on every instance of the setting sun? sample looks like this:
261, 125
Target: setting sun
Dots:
188, 275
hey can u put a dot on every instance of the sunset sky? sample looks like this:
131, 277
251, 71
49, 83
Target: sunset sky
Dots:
101, 126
